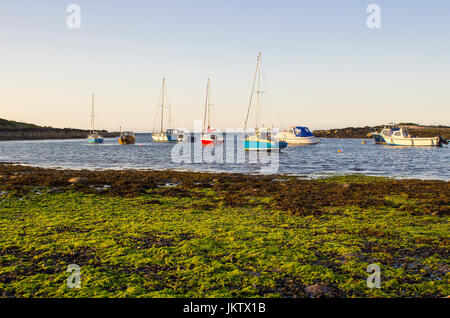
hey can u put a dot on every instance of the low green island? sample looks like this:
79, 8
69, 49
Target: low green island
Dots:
183, 234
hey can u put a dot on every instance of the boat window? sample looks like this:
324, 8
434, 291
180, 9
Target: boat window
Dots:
397, 134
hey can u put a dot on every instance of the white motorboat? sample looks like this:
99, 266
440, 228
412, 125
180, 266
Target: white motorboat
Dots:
298, 135
388, 130
401, 137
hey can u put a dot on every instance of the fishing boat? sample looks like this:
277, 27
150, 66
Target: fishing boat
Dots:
298, 135
93, 137
388, 130
209, 136
127, 138
401, 137
169, 135
263, 139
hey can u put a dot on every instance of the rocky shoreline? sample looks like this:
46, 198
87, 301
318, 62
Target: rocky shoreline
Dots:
13, 130
298, 196
40, 133
365, 132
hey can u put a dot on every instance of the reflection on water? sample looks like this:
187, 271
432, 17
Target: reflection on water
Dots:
316, 160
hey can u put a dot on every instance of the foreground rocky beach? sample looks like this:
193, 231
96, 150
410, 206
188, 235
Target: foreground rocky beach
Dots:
183, 234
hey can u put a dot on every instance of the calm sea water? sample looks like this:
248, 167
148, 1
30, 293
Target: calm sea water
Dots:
317, 160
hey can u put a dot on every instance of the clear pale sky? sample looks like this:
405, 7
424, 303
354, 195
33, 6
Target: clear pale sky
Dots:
322, 66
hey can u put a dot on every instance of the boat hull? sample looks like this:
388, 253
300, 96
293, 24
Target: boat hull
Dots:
208, 140
160, 137
95, 140
378, 139
174, 138
264, 145
291, 139
127, 140
413, 142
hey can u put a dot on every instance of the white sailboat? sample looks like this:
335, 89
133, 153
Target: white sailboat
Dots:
161, 136
171, 134
94, 137
209, 136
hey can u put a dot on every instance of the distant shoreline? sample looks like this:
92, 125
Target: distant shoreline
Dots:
11, 130
42, 133
364, 132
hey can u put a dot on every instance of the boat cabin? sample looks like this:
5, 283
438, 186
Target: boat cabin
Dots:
402, 133
174, 131
127, 134
301, 131
389, 130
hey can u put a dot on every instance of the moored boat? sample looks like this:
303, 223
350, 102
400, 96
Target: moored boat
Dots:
401, 137
161, 136
388, 130
263, 138
174, 135
298, 135
93, 137
127, 138
209, 136
170, 134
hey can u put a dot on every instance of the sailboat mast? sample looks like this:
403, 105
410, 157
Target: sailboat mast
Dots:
170, 117
92, 114
253, 88
162, 105
257, 93
206, 106
209, 106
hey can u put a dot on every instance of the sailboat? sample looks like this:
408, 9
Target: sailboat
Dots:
263, 139
161, 136
170, 135
94, 137
209, 137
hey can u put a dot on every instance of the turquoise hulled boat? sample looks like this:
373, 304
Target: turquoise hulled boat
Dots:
95, 139
263, 139
258, 142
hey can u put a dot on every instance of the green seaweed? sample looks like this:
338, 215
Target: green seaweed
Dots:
207, 244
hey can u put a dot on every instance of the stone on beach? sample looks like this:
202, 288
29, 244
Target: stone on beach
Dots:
316, 290
78, 181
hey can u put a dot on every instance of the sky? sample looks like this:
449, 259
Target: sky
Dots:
322, 66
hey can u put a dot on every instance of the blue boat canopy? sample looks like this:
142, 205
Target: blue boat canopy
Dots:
302, 132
